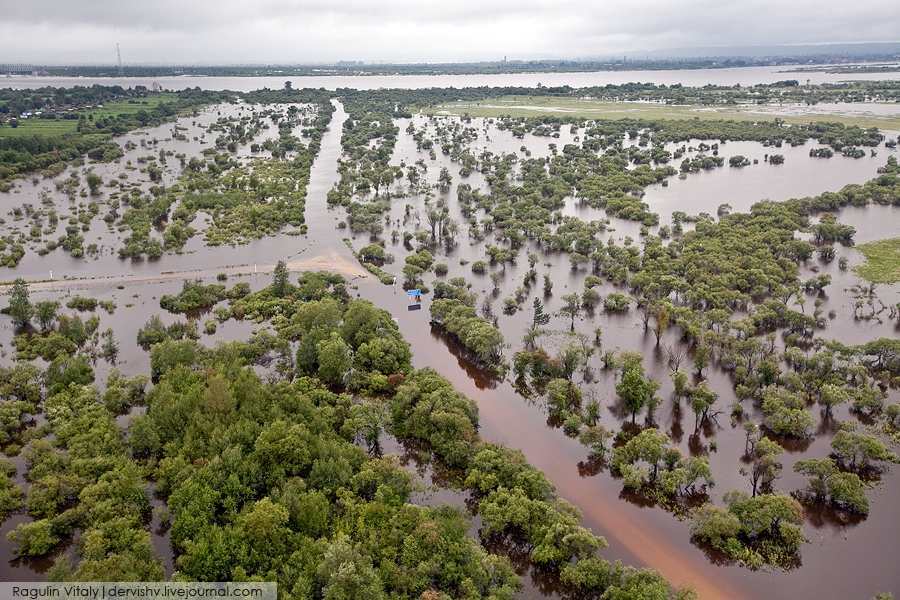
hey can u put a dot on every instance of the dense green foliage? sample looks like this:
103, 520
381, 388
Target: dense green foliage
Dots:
756, 530
477, 335
270, 479
282, 493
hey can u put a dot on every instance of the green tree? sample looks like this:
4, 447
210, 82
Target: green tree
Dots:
714, 524
10, 496
786, 412
109, 349
334, 358
680, 382
662, 315
636, 391
702, 354
539, 317
848, 492
34, 539
571, 308
67, 370
649, 447
444, 179
702, 400
280, 281
832, 395
597, 439
776, 515
562, 395
263, 530
858, 451
818, 470
828, 483
20, 308
94, 182
347, 574
46, 311
765, 467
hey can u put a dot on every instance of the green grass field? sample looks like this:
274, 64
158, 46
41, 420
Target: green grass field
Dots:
126, 107
54, 127
530, 106
882, 261
44, 127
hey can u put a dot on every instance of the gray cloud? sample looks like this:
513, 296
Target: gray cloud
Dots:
285, 31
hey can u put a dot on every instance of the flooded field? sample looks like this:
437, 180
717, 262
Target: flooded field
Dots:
843, 558
637, 532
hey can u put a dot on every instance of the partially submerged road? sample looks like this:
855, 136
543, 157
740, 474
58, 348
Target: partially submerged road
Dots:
323, 262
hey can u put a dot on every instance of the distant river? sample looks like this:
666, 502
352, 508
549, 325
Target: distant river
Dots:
687, 77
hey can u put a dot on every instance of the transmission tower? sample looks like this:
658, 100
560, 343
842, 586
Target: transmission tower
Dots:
119, 60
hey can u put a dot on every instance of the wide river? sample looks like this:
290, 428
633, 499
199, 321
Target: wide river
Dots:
687, 77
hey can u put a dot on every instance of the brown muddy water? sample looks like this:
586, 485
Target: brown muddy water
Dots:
841, 560
835, 562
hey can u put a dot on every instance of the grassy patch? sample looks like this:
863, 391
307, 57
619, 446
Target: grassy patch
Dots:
533, 106
57, 127
130, 107
882, 261
42, 127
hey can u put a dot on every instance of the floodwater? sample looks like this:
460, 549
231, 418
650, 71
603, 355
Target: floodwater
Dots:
798, 177
688, 77
640, 534
191, 141
840, 561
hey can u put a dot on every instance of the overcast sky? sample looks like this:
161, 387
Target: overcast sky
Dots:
297, 31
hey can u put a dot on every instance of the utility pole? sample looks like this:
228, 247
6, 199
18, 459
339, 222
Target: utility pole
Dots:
119, 59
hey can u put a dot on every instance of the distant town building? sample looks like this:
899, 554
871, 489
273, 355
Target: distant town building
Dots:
17, 69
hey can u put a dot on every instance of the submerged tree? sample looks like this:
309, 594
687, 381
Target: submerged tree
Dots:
20, 307
765, 467
637, 391
280, 279
46, 311
571, 308
827, 483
